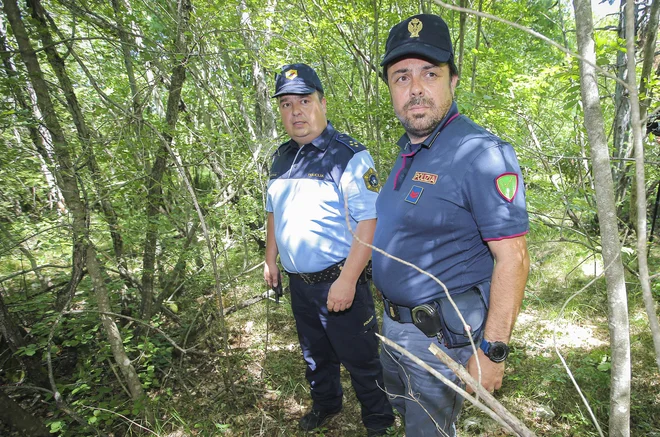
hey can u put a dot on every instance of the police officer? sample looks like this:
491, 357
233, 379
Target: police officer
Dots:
454, 205
311, 176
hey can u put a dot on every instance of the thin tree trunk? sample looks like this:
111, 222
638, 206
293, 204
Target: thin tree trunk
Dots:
461, 36
114, 337
619, 423
640, 185
476, 47
621, 122
154, 181
67, 179
85, 134
126, 44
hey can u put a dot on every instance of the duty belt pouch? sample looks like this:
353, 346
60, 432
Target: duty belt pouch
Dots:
473, 305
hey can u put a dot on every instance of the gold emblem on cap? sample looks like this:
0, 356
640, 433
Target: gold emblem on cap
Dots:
415, 26
291, 74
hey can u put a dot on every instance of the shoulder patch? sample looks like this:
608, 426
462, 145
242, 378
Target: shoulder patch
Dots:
507, 186
371, 180
351, 143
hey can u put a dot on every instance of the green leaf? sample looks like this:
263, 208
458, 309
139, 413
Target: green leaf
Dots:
56, 426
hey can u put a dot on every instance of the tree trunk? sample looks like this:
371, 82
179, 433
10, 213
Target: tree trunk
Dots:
476, 48
14, 415
154, 188
619, 424
461, 36
114, 337
640, 179
86, 136
621, 123
67, 179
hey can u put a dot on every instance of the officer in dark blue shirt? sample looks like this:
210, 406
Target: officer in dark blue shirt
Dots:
322, 182
453, 205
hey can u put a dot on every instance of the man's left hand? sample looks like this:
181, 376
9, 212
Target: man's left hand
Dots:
340, 296
491, 373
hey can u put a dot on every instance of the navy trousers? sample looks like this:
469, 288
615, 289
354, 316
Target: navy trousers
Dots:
429, 407
329, 339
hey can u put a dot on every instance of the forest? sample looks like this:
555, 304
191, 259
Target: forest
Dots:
135, 143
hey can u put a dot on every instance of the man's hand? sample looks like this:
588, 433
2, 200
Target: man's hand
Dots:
491, 373
341, 294
271, 274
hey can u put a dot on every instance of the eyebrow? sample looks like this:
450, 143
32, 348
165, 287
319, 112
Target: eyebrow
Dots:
427, 67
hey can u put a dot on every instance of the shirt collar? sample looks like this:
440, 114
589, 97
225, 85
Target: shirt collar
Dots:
321, 142
428, 142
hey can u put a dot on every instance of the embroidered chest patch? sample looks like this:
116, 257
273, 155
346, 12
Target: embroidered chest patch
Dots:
414, 194
428, 178
507, 186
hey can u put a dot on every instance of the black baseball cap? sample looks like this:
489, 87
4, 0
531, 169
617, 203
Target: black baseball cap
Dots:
297, 79
424, 35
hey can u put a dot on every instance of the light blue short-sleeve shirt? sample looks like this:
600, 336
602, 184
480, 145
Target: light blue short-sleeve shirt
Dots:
310, 190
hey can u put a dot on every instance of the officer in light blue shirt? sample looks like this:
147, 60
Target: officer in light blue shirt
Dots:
323, 187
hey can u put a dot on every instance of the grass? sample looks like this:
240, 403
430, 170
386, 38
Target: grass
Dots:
273, 395
260, 389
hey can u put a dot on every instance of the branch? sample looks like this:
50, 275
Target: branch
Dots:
488, 398
561, 358
535, 34
41, 267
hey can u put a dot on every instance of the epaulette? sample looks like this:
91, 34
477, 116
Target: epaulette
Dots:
350, 142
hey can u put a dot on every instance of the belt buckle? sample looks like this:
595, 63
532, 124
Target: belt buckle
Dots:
306, 279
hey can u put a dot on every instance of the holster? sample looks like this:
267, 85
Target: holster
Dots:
473, 305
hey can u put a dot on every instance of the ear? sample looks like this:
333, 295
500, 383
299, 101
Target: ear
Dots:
324, 105
453, 84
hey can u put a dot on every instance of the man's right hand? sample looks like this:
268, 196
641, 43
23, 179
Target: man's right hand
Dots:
271, 275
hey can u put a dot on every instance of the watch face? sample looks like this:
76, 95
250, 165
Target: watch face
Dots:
498, 351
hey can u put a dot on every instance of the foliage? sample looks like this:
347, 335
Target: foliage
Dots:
120, 57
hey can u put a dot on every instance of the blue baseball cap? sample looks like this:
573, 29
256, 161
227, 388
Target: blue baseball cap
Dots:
297, 79
423, 35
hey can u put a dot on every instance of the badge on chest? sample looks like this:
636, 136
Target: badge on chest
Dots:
414, 194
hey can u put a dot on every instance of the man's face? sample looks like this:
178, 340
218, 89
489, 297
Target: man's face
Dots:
303, 116
422, 93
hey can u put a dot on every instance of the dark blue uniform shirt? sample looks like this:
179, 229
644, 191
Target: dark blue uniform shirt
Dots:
443, 200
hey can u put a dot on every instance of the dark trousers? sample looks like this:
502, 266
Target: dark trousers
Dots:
428, 406
349, 338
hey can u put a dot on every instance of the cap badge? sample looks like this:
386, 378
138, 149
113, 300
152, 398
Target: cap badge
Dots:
507, 185
415, 26
291, 74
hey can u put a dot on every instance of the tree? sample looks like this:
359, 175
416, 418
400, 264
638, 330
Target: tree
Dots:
609, 231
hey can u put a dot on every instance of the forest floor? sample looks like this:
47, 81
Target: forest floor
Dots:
270, 394
260, 389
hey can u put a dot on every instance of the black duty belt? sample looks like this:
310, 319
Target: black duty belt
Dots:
330, 274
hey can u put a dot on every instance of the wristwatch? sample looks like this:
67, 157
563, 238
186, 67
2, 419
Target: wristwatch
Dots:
497, 351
